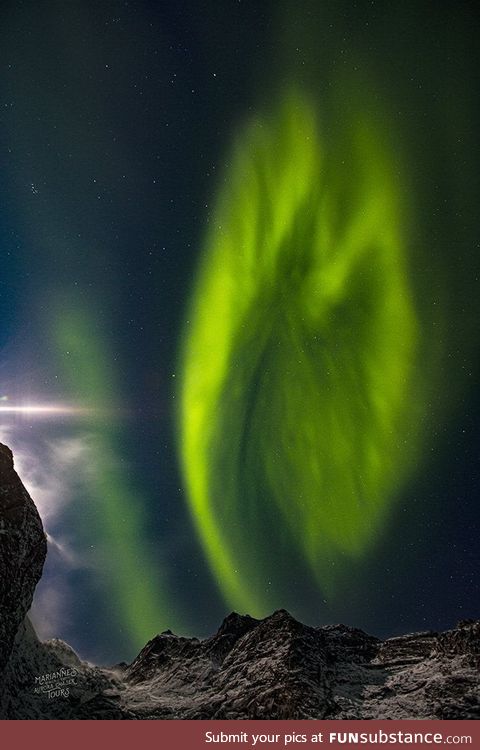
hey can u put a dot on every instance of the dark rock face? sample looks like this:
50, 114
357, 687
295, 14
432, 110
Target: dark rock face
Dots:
22, 552
275, 668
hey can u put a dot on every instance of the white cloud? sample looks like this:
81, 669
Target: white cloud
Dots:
49, 612
55, 472
51, 472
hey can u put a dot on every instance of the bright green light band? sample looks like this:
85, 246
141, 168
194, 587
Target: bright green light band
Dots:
298, 353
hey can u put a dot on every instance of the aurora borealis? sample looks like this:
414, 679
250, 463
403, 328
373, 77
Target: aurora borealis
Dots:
239, 247
299, 353
135, 580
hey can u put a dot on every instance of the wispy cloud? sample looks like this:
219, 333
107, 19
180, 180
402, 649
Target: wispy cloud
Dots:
55, 472
52, 471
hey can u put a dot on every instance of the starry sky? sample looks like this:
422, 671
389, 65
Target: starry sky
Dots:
162, 164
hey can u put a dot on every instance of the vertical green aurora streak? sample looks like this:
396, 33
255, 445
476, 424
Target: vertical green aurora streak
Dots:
298, 379
140, 588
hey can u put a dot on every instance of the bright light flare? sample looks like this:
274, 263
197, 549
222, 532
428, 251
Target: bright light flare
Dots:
44, 410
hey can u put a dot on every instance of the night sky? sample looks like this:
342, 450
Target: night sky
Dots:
228, 292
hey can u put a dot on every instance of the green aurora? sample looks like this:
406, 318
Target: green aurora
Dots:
299, 399
116, 520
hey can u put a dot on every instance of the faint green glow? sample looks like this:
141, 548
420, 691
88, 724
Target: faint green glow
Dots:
297, 398
137, 588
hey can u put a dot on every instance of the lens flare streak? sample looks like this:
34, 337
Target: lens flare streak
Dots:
45, 410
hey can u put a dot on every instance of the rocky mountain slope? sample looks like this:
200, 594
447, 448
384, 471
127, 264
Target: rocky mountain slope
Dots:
275, 668
23, 549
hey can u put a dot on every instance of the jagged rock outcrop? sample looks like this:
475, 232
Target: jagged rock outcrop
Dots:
22, 552
275, 668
